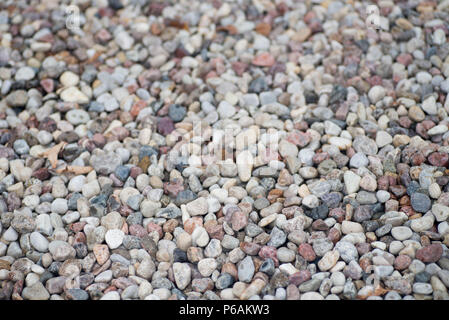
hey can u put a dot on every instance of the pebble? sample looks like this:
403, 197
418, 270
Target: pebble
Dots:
422, 224
431, 253
328, 260
124, 40
246, 270
114, 238
352, 182
440, 212
197, 207
401, 233
35, 292
376, 93
207, 266
61, 250
77, 116
420, 202
39, 242
73, 94
182, 274
24, 74
358, 160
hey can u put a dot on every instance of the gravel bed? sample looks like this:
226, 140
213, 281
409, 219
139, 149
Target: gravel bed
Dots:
261, 150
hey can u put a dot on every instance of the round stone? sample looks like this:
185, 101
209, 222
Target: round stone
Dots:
39, 242
77, 116
69, 79
114, 238
401, 233
177, 112
420, 202
59, 206
25, 74
376, 93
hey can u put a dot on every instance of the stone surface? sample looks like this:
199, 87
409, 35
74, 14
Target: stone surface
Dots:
205, 150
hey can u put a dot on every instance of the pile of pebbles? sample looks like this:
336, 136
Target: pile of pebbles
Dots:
224, 150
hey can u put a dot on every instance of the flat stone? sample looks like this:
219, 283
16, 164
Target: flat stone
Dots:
401, 233
420, 202
431, 253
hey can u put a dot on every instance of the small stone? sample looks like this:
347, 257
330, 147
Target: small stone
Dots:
101, 253
197, 207
177, 112
383, 138
264, 60
39, 242
69, 79
244, 163
401, 233
358, 160
182, 274
207, 266
365, 145
114, 238
306, 251
347, 251
73, 94
376, 93
25, 74
352, 181
431, 253
328, 260
226, 110
422, 288
429, 105
35, 292
402, 262
420, 202
124, 40
246, 270
348, 227
440, 212
422, 224
59, 206
77, 116
61, 250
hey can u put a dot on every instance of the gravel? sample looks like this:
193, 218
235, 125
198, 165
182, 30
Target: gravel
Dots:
224, 150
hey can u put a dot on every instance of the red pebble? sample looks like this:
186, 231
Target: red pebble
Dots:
264, 60
431, 253
299, 277
306, 251
154, 227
